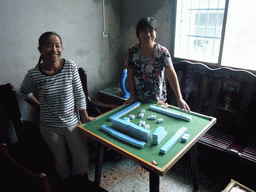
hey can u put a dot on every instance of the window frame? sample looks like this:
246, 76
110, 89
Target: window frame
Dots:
173, 31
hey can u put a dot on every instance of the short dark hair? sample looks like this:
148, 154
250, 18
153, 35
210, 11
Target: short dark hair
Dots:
144, 23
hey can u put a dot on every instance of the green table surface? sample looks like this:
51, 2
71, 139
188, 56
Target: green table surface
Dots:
199, 125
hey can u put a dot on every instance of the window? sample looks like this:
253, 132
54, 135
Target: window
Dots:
240, 36
220, 32
198, 29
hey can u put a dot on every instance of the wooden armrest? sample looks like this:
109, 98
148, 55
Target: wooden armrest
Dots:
43, 176
217, 140
249, 152
235, 149
6, 153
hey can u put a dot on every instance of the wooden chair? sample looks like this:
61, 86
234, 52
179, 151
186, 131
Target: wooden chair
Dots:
225, 93
18, 178
94, 107
23, 152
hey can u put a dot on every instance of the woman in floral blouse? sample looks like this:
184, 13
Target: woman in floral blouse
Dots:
148, 63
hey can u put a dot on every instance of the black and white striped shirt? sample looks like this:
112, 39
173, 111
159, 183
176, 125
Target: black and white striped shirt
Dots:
60, 95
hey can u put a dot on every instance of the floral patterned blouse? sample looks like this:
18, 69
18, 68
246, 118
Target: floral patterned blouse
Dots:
149, 73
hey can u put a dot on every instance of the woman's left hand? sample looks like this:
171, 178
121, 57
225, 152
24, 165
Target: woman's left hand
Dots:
183, 105
85, 118
89, 119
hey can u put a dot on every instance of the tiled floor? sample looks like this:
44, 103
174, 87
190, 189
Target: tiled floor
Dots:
122, 174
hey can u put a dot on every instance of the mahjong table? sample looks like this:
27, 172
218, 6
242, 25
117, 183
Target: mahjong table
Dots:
150, 156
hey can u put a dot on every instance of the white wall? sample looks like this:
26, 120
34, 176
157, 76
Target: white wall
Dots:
78, 22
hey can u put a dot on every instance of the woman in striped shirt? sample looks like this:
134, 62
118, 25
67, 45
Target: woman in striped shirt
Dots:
61, 101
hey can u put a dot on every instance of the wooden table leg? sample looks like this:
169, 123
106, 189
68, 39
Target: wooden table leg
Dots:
194, 166
98, 168
153, 182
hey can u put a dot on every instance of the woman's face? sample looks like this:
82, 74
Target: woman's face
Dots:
147, 36
52, 50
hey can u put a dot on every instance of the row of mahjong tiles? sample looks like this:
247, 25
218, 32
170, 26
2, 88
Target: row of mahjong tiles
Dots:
141, 133
160, 109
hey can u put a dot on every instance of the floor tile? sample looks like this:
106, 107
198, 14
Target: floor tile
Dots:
127, 165
180, 177
110, 159
105, 167
131, 184
141, 174
169, 184
122, 174
91, 170
213, 185
112, 177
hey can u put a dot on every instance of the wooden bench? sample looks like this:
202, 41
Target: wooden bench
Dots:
228, 95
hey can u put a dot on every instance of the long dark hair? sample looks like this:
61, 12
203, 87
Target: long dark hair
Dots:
43, 39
